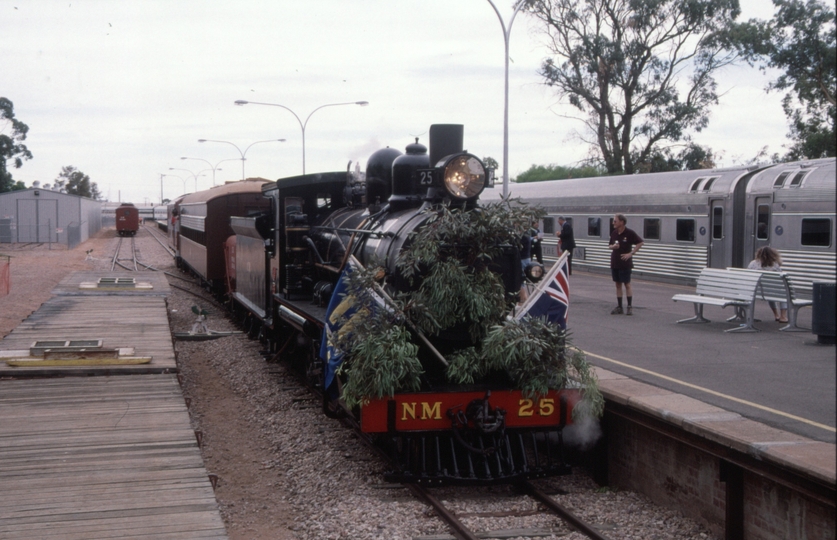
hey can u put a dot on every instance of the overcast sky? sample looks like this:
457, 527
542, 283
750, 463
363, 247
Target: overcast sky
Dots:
122, 89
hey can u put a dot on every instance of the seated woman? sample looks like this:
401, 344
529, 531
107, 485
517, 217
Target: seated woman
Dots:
768, 258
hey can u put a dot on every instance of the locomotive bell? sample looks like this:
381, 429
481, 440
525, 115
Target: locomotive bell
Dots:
379, 176
407, 190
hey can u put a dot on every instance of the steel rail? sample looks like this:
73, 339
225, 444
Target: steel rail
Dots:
115, 258
574, 521
155, 237
134, 253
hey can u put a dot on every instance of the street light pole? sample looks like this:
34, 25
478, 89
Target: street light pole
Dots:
171, 176
194, 175
215, 168
302, 125
244, 153
506, 35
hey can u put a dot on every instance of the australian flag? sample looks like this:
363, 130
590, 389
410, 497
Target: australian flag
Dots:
344, 310
341, 305
551, 299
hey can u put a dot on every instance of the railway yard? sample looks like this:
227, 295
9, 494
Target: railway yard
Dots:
283, 470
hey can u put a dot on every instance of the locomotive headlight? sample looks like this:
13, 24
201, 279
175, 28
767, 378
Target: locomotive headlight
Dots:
464, 176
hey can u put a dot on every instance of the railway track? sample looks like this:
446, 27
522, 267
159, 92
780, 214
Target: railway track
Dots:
156, 236
457, 526
119, 260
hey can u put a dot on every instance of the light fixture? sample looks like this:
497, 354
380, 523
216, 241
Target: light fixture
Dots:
463, 175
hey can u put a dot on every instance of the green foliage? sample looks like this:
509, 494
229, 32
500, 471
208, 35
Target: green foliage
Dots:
538, 356
490, 162
539, 173
453, 253
693, 157
448, 262
639, 71
380, 358
75, 182
801, 40
12, 148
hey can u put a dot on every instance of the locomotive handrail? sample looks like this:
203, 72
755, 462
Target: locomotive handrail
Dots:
378, 234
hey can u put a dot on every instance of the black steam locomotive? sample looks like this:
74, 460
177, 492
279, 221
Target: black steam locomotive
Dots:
338, 254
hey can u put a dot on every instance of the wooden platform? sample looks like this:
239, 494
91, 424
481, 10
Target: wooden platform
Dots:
72, 284
103, 457
137, 321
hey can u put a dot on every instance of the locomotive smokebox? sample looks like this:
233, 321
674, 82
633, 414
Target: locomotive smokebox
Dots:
445, 139
407, 191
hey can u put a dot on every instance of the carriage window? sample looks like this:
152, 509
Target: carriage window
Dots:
780, 180
686, 230
594, 226
816, 232
717, 223
709, 183
651, 229
763, 222
548, 225
798, 177
323, 202
695, 184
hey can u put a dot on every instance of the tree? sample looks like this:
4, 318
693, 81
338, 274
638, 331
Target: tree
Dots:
12, 148
539, 173
693, 156
640, 71
801, 39
75, 182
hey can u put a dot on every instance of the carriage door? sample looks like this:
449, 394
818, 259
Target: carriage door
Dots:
761, 228
717, 235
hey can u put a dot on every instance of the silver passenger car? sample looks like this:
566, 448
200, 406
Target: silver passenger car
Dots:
694, 219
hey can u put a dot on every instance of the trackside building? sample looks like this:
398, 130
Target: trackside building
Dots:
38, 215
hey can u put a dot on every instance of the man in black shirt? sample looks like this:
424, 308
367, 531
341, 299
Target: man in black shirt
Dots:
624, 243
567, 241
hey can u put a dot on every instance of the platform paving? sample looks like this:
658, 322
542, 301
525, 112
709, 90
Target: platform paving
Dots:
101, 457
786, 380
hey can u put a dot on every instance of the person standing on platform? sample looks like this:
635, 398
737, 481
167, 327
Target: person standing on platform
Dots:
537, 237
567, 241
624, 243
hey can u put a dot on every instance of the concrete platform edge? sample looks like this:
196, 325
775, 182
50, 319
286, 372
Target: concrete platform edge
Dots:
812, 458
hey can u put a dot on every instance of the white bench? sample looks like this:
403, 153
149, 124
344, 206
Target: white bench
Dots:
781, 287
719, 287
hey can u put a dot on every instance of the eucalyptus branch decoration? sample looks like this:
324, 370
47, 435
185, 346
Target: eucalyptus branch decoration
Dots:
380, 358
450, 260
449, 264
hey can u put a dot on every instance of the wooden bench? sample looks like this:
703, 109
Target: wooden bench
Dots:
781, 287
719, 287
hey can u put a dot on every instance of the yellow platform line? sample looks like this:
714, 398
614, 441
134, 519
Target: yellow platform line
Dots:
713, 392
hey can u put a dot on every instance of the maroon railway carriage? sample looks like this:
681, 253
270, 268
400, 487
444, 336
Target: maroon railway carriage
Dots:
204, 226
127, 220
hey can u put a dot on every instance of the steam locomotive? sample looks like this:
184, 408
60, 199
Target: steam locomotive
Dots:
287, 261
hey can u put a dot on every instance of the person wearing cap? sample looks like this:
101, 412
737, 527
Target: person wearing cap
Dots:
567, 241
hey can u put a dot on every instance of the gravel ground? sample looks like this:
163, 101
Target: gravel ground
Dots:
288, 472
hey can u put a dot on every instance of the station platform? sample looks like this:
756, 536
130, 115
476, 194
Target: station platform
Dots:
92, 446
786, 380
768, 393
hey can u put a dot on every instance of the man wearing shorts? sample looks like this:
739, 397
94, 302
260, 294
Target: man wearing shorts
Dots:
624, 243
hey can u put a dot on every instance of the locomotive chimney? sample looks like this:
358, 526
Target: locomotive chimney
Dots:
445, 139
